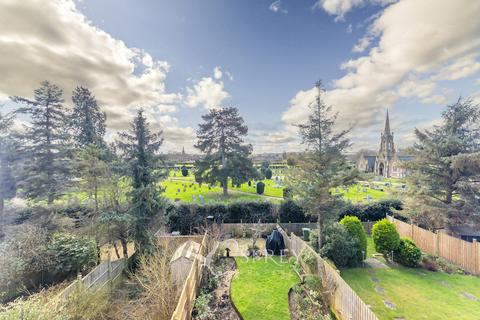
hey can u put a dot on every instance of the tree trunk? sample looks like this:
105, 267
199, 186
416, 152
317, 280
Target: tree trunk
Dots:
95, 195
2, 201
320, 229
116, 250
123, 241
225, 188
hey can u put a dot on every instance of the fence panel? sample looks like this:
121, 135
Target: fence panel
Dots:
186, 301
460, 252
343, 299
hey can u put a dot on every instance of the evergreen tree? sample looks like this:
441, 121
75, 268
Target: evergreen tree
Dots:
88, 122
323, 166
220, 137
93, 171
445, 175
7, 149
46, 153
140, 148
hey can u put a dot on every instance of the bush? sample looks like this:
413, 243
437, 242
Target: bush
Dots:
385, 237
71, 253
287, 193
184, 171
290, 211
355, 229
339, 245
268, 174
309, 259
407, 254
260, 187
373, 211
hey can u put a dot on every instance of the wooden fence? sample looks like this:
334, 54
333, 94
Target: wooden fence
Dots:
343, 300
103, 273
186, 301
460, 252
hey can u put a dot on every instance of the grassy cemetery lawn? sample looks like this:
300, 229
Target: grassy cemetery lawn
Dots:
406, 293
260, 288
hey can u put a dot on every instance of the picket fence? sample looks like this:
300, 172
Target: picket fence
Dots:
343, 300
186, 301
105, 272
460, 252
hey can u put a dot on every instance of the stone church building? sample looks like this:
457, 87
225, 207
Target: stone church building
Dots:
386, 162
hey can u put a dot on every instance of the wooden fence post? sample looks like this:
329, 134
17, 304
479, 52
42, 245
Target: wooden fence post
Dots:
476, 262
411, 230
436, 244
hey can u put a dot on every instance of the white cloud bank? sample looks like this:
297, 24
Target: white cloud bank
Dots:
419, 43
277, 7
52, 40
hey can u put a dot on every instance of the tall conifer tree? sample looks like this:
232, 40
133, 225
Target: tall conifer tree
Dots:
46, 153
140, 149
220, 138
7, 180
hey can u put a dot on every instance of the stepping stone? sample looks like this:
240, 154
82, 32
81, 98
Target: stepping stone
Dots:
375, 263
445, 283
379, 289
469, 296
389, 304
399, 318
375, 279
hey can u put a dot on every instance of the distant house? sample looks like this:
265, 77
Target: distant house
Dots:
386, 162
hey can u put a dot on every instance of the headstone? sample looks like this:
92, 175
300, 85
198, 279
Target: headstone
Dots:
194, 198
202, 200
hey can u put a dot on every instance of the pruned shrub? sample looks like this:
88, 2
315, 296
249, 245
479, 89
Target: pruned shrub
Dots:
260, 187
287, 193
356, 230
290, 211
268, 173
385, 237
184, 171
339, 246
407, 253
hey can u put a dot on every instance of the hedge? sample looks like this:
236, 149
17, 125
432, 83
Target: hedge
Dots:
186, 217
373, 211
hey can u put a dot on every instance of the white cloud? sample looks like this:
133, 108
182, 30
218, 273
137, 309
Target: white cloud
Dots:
440, 41
439, 36
207, 93
362, 44
52, 40
277, 6
217, 73
339, 8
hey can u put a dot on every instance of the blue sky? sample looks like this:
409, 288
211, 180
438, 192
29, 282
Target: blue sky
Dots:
179, 58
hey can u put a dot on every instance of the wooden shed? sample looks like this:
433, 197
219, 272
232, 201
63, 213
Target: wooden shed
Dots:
182, 260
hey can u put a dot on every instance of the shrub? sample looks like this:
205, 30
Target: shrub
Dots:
339, 245
184, 171
287, 193
313, 240
309, 259
71, 253
355, 229
290, 211
260, 187
385, 237
268, 174
407, 253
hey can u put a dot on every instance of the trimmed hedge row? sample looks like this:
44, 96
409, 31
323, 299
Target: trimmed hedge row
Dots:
373, 211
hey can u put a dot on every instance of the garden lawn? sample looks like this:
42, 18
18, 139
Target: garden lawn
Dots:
416, 293
260, 288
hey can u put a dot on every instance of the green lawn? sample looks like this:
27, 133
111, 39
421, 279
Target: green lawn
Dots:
260, 288
416, 293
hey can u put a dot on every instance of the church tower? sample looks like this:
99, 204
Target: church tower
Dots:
387, 153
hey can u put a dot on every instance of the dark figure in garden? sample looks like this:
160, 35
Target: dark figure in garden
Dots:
275, 244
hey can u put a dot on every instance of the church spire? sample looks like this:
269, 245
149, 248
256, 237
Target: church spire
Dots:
387, 124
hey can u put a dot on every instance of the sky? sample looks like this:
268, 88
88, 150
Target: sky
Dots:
178, 59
